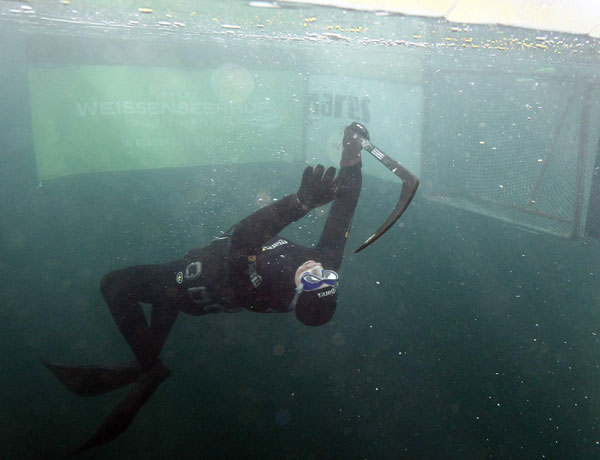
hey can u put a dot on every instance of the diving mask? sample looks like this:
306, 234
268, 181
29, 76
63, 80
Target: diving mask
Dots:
312, 279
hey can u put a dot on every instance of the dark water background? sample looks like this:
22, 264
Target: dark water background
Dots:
456, 336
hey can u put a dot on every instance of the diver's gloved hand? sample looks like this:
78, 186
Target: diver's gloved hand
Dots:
316, 188
352, 145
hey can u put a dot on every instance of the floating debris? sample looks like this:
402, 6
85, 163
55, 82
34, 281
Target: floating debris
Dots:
336, 37
230, 26
264, 4
145, 10
545, 70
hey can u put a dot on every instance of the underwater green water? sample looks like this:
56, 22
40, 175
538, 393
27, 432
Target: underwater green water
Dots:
456, 336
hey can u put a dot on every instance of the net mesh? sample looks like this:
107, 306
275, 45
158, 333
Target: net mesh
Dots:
509, 147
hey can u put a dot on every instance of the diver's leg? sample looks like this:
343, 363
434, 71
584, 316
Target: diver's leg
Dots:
162, 318
123, 289
95, 380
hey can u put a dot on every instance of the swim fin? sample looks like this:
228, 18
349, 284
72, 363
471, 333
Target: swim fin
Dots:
124, 413
95, 380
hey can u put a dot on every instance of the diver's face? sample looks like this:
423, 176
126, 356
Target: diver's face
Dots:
309, 266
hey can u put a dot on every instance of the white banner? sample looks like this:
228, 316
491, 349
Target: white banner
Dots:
391, 111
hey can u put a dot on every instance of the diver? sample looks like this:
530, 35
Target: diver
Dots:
250, 267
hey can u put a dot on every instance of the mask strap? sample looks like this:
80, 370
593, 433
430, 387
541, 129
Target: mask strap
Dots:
299, 289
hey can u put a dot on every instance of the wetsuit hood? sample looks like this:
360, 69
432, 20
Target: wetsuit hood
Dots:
315, 308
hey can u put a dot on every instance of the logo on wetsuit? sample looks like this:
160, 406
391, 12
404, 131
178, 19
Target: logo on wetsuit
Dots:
331, 291
279, 242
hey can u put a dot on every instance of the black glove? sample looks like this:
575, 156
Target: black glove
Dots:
316, 188
359, 129
352, 147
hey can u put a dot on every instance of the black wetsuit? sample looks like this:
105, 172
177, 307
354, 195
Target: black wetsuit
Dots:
250, 267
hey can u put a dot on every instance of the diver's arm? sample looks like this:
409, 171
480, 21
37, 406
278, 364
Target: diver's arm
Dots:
335, 234
253, 231
349, 182
316, 189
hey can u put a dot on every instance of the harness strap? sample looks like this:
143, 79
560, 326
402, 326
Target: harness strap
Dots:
255, 278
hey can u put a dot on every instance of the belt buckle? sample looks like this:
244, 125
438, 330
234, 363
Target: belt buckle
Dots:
193, 270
